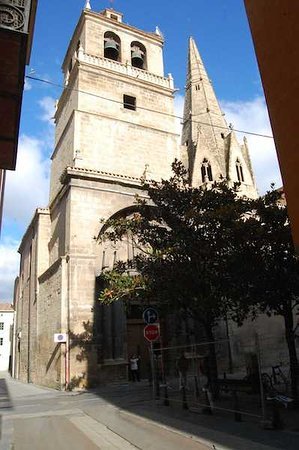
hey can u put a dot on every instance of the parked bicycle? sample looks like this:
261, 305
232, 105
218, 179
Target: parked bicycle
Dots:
278, 381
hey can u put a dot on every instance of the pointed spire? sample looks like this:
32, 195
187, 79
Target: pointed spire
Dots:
87, 5
196, 68
203, 118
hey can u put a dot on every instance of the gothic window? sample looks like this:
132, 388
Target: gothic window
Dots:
138, 55
114, 258
239, 170
104, 266
206, 171
112, 46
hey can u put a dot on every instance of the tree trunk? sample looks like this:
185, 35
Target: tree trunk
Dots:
290, 338
213, 369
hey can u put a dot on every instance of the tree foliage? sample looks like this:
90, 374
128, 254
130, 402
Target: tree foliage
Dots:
184, 244
268, 278
207, 251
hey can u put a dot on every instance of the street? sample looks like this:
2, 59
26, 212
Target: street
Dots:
34, 418
120, 416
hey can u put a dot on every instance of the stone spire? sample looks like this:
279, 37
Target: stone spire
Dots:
204, 123
87, 5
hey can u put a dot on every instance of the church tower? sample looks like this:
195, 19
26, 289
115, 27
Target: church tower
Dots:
116, 112
210, 146
115, 125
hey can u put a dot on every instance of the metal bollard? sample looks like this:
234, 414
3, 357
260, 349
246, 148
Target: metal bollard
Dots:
185, 404
207, 409
166, 400
238, 416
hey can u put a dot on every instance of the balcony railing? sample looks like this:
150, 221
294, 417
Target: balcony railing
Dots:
125, 69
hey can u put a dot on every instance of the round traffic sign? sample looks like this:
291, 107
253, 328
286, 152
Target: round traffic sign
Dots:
150, 315
152, 332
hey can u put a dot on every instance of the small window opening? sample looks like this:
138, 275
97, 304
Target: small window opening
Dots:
239, 169
241, 173
114, 258
104, 260
1, 325
1, 341
114, 17
210, 175
222, 135
130, 102
206, 171
197, 87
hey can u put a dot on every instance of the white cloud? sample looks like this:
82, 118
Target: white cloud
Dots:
27, 187
253, 116
9, 267
47, 104
27, 85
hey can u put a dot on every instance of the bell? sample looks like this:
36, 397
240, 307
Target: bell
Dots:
137, 58
111, 49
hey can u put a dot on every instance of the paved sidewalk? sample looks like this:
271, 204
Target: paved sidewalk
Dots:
124, 415
220, 429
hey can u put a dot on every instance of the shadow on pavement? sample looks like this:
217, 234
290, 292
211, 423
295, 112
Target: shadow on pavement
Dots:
5, 400
220, 428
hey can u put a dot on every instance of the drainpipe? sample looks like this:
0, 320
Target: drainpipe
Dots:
67, 344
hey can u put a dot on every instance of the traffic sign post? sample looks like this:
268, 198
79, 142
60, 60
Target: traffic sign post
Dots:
151, 332
150, 315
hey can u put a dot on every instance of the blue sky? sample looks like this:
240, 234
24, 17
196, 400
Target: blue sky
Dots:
221, 31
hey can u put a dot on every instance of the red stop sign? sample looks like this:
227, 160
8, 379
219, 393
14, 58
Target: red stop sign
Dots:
151, 332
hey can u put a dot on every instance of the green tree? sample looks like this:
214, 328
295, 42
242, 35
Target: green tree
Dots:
184, 244
268, 279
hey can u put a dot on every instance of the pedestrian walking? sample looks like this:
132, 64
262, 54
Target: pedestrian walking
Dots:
134, 362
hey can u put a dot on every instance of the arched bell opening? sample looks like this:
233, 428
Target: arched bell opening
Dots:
112, 46
138, 55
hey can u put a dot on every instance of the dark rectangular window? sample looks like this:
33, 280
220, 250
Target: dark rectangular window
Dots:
1, 325
130, 102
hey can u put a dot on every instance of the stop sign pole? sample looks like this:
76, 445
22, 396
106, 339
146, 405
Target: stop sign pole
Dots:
151, 332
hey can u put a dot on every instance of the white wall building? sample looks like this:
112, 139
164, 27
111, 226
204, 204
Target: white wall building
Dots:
6, 327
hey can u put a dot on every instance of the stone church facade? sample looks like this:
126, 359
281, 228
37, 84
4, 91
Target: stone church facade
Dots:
115, 124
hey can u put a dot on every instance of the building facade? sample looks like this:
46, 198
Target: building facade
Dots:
6, 333
17, 19
115, 125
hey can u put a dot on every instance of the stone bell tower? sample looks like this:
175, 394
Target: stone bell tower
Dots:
115, 112
114, 124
